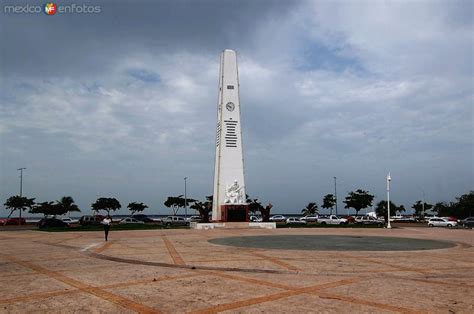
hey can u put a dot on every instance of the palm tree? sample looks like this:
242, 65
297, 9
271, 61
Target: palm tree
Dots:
66, 205
310, 209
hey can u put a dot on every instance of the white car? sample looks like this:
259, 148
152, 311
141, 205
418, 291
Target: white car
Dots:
69, 220
295, 221
278, 218
310, 218
332, 220
255, 218
194, 218
441, 222
130, 220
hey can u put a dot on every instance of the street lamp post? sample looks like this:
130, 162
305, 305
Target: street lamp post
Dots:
335, 194
388, 201
21, 188
185, 200
423, 205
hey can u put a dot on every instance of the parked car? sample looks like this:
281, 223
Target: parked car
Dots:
295, 221
194, 218
14, 221
142, 217
350, 219
90, 220
277, 218
468, 222
310, 218
441, 222
175, 221
69, 220
130, 220
332, 220
367, 220
51, 223
255, 218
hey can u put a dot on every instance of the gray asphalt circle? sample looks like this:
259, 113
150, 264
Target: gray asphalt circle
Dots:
332, 243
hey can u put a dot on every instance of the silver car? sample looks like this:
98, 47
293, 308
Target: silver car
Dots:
441, 222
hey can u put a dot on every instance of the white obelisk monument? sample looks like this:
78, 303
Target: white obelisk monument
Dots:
229, 184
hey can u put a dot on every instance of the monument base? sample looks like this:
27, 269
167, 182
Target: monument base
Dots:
235, 213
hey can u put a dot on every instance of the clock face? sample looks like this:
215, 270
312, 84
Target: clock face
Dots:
230, 106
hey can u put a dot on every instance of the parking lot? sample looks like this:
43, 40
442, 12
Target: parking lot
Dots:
178, 270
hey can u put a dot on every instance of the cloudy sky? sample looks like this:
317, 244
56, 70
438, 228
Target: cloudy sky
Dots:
123, 103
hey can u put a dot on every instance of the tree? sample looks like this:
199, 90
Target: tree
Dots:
17, 202
177, 202
418, 207
358, 200
107, 204
47, 209
136, 207
66, 204
382, 210
265, 211
256, 206
329, 201
464, 206
310, 209
204, 208
444, 209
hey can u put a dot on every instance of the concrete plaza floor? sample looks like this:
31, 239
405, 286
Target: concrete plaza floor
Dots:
175, 271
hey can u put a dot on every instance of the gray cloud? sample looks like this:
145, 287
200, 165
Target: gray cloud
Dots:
123, 103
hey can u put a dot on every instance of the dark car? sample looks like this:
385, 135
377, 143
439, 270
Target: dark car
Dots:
142, 217
175, 221
468, 222
90, 220
51, 223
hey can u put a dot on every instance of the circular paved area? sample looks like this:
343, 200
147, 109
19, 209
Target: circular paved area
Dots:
332, 243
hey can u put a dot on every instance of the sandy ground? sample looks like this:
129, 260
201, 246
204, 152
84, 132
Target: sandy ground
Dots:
176, 271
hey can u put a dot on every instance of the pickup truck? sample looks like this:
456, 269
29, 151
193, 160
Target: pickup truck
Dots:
332, 220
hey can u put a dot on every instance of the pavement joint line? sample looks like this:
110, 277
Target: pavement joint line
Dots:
399, 267
275, 296
98, 292
253, 281
275, 261
38, 296
177, 259
383, 306
104, 247
44, 295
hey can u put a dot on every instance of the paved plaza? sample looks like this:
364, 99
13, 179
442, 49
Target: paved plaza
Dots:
178, 270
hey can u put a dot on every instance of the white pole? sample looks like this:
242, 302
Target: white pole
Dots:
388, 201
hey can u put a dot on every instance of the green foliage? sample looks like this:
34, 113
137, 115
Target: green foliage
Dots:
17, 202
329, 201
66, 204
462, 208
256, 206
107, 204
310, 209
204, 208
177, 202
136, 207
358, 200
382, 210
418, 207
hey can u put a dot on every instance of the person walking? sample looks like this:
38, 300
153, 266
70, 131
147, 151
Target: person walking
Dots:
107, 221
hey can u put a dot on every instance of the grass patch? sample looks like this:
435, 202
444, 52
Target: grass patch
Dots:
118, 227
